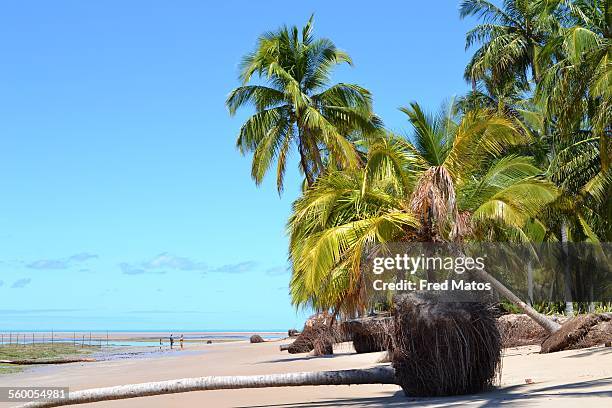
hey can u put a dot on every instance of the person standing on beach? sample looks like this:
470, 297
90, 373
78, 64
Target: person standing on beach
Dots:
160, 344
181, 341
171, 341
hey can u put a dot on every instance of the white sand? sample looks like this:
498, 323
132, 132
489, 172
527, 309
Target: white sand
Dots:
581, 378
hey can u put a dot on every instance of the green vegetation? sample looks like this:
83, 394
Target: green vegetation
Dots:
9, 369
523, 157
297, 108
41, 351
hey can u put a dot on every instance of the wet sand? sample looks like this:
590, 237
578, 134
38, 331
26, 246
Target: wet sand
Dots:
564, 379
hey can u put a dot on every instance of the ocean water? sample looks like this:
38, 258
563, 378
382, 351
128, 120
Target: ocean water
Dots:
127, 338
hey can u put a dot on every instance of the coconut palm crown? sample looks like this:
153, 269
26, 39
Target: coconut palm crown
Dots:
296, 107
454, 181
510, 37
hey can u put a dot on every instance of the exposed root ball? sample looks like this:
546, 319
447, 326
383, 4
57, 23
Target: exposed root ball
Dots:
370, 334
324, 344
519, 330
319, 335
444, 348
580, 332
256, 338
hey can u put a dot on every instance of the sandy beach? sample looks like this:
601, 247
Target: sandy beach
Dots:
563, 379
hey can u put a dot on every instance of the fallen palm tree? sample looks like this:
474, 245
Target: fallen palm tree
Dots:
519, 330
438, 349
377, 375
318, 336
580, 332
444, 348
370, 334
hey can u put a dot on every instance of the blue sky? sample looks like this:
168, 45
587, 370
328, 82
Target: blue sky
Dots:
125, 204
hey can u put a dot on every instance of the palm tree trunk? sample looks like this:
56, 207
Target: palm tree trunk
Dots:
530, 283
334, 315
378, 375
603, 151
304, 165
569, 305
540, 319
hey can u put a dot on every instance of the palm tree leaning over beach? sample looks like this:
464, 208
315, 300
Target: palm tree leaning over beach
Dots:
295, 107
454, 183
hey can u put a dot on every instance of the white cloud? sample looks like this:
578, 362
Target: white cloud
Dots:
21, 283
61, 263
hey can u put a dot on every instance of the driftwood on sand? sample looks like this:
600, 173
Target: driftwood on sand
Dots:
55, 361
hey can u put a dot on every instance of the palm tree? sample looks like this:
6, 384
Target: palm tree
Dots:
575, 93
452, 183
578, 85
331, 225
295, 107
377, 375
510, 37
504, 96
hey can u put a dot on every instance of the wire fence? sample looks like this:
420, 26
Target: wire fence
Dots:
76, 339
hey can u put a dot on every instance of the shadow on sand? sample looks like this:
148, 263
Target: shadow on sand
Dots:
518, 395
306, 357
591, 351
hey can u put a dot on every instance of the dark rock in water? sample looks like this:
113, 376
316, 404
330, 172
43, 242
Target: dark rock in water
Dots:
292, 333
444, 348
580, 332
209, 342
256, 338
